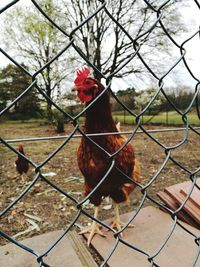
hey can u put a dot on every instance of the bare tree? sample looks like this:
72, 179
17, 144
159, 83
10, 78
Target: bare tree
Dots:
35, 41
104, 42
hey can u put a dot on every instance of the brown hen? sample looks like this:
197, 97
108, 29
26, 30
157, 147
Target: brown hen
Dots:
22, 165
93, 162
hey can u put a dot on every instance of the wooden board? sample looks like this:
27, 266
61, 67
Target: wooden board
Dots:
189, 207
173, 197
195, 196
81, 250
167, 200
174, 193
171, 203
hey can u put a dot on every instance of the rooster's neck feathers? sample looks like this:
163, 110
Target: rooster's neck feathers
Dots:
99, 116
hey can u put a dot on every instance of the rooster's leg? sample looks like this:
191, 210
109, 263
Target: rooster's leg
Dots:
93, 229
24, 178
117, 223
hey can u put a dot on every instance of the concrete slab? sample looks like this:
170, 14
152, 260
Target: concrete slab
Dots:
151, 228
64, 253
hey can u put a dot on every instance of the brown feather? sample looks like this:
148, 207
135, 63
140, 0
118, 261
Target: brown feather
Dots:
113, 185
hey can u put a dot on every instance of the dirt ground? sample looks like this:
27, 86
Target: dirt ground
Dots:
45, 209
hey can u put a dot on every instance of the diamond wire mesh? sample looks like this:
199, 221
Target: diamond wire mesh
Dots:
192, 174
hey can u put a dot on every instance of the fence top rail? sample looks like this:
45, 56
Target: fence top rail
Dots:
46, 138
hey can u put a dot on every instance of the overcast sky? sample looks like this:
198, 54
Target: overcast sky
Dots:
191, 14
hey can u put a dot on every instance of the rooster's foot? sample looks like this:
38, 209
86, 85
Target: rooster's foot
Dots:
92, 230
117, 223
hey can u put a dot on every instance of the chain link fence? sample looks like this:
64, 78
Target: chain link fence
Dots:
192, 174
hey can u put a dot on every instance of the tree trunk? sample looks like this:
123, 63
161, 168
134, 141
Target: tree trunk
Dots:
60, 125
49, 112
48, 92
60, 117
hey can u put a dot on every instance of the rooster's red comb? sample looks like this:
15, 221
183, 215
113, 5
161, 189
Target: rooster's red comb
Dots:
81, 74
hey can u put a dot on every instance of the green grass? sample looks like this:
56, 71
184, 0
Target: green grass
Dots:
161, 118
23, 121
173, 119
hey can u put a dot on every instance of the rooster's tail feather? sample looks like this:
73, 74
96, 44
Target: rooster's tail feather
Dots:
137, 172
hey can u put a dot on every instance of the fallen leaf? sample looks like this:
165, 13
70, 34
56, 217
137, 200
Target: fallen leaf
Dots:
36, 218
34, 225
107, 207
70, 179
46, 191
10, 218
51, 174
73, 208
80, 226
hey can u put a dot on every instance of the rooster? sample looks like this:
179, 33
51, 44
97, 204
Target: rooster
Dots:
22, 165
93, 162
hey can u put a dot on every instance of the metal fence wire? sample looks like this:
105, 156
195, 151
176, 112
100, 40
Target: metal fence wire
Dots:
192, 174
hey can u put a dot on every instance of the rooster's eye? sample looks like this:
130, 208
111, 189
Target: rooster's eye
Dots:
87, 82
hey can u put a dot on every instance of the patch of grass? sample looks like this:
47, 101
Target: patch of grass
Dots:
172, 119
7, 122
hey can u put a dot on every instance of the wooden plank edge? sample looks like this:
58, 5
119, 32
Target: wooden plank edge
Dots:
189, 207
81, 250
192, 197
168, 201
